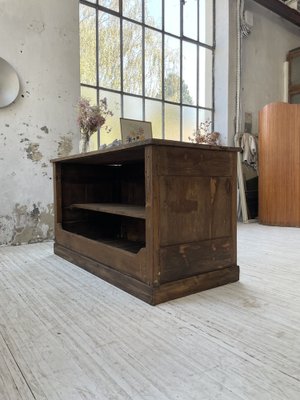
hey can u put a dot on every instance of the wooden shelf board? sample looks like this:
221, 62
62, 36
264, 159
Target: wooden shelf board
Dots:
127, 210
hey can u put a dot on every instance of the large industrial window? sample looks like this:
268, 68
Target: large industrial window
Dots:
152, 60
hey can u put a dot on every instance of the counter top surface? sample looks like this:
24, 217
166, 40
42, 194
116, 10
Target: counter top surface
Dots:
138, 147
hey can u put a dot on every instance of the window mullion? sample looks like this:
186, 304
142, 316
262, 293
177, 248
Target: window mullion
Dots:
121, 59
183, 50
97, 67
163, 69
198, 64
213, 66
180, 66
143, 58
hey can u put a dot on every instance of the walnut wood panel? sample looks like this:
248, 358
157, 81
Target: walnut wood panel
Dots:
57, 193
127, 153
193, 162
183, 260
118, 209
222, 214
153, 215
119, 154
279, 155
115, 277
149, 294
123, 261
101, 184
168, 223
125, 182
88, 174
194, 284
233, 232
194, 208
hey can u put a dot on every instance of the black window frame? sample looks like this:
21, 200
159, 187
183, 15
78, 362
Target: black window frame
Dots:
182, 39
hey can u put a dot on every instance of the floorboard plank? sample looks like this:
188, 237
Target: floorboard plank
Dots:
67, 335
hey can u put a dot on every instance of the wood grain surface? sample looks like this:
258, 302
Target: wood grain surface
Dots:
166, 218
279, 165
128, 210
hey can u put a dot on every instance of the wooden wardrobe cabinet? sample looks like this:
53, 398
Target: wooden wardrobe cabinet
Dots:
279, 165
156, 218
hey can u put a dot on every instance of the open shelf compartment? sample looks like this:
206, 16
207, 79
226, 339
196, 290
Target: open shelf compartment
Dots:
105, 203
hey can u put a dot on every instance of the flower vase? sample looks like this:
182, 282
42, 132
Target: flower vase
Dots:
84, 143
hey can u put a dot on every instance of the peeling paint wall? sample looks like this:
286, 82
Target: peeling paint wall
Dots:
41, 41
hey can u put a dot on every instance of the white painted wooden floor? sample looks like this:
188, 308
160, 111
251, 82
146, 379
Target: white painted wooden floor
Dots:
67, 335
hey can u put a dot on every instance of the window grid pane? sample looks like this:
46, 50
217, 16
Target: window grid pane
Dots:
154, 115
153, 63
172, 122
189, 123
111, 131
112, 4
172, 16
206, 15
133, 107
153, 13
133, 9
88, 72
155, 71
172, 69
132, 58
189, 73
109, 51
205, 77
190, 23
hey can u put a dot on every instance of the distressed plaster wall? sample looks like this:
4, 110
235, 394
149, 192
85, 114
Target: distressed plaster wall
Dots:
40, 39
264, 53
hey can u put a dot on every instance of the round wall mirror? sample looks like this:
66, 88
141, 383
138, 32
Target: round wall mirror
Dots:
9, 83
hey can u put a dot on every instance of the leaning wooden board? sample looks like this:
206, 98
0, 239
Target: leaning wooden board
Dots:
156, 218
